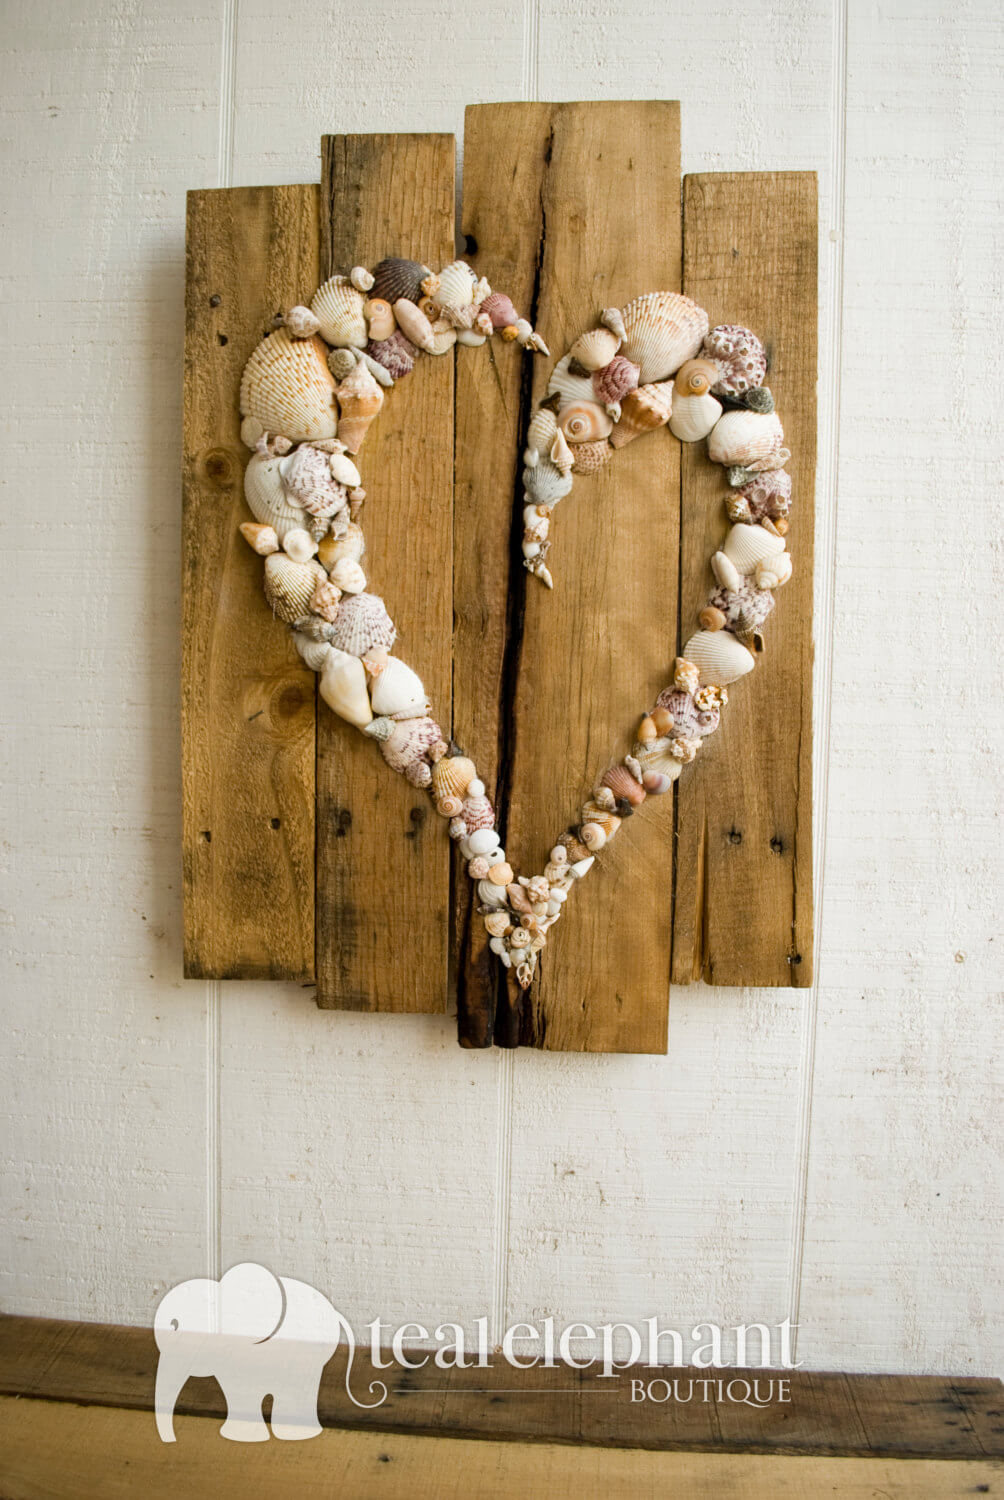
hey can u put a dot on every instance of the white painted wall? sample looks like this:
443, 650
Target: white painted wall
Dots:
825, 1154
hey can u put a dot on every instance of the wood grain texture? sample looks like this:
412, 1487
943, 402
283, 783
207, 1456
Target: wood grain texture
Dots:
383, 861
743, 909
247, 704
581, 659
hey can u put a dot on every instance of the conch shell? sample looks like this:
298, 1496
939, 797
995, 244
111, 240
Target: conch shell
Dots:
288, 387
359, 400
643, 410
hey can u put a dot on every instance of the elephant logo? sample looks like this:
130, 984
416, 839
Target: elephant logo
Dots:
259, 1335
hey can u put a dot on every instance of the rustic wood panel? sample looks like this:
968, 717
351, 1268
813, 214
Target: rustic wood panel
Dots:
247, 702
579, 664
743, 875
383, 860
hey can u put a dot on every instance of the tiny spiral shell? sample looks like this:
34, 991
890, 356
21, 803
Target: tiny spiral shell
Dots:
585, 422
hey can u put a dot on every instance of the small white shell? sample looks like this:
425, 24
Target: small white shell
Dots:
299, 544
745, 546
398, 691
483, 841
752, 440
693, 417
313, 653
351, 545
266, 497
595, 349
361, 279
457, 283
569, 387
719, 657
343, 687
338, 307
344, 471
251, 431
348, 576
773, 571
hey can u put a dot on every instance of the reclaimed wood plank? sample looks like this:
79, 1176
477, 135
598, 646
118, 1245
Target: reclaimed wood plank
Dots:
743, 872
247, 701
383, 860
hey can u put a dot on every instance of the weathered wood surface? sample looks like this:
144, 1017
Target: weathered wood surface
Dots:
555, 197
900, 1416
247, 702
743, 870
383, 859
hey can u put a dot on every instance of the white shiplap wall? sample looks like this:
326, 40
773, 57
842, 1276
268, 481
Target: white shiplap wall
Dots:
824, 1154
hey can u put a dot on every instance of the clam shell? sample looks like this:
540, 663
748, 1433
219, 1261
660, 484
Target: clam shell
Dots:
266, 495
544, 483
343, 688
588, 457
568, 387
501, 311
745, 546
584, 422
289, 586
398, 692
661, 331
351, 545
456, 285
360, 398
749, 439
693, 417
287, 385
719, 657
394, 278
659, 766
595, 349
338, 308
452, 775
642, 411
363, 624
541, 431
740, 357
414, 324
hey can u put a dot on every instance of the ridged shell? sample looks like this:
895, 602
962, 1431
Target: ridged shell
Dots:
590, 456
452, 775
749, 439
289, 586
689, 721
456, 285
662, 329
307, 478
359, 400
613, 382
693, 417
745, 608
350, 546
398, 692
444, 336
313, 653
266, 495
719, 657
396, 355
478, 813
745, 546
500, 310
341, 361
584, 422
544, 483
363, 625
595, 349
643, 410
408, 745
541, 431
394, 278
343, 688
569, 387
740, 356
338, 307
287, 385
659, 766
623, 785
767, 497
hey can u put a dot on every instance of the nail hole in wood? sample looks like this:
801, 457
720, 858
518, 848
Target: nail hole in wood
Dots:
275, 822
795, 958
206, 836
470, 245
215, 300
223, 339
777, 845
735, 837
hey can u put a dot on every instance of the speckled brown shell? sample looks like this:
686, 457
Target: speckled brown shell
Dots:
394, 278
396, 354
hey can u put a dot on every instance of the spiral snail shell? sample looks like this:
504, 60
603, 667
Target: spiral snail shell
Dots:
585, 422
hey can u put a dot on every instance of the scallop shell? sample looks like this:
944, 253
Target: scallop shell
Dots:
612, 383
767, 497
584, 422
363, 625
394, 278
541, 431
414, 324
289, 586
379, 318
359, 400
410, 741
287, 385
719, 657
396, 354
745, 546
544, 483
338, 307
568, 387
456, 285
740, 357
748, 439
266, 495
689, 720
343, 688
659, 766
595, 349
452, 776
351, 546
623, 785
745, 608
590, 456
444, 336
500, 310
398, 692
661, 331
308, 481
643, 410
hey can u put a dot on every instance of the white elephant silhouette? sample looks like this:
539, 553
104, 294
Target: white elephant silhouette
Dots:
259, 1335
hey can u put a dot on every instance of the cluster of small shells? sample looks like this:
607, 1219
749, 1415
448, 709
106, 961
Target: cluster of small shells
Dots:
309, 394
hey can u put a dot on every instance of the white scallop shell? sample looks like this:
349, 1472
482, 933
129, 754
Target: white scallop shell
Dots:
541, 432
398, 691
719, 657
343, 688
338, 307
567, 386
745, 546
287, 385
595, 349
661, 331
693, 417
657, 757
289, 586
751, 439
457, 283
266, 496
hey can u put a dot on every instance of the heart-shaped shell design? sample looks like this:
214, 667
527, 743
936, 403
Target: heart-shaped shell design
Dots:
585, 422
750, 439
338, 308
289, 586
362, 624
661, 330
287, 385
740, 357
719, 657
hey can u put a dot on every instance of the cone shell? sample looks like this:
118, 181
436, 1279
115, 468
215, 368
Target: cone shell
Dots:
360, 398
595, 349
398, 692
541, 431
719, 657
396, 354
266, 495
612, 383
456, 285
568, 387
343, 688
452, 776
394, 278
740, 357
661, 331
643, 410
584, 422
350, 546
590, 456
260, 536
745, 546
414, 324
338, 308
288, 387
749, 439
289, 586
363, 624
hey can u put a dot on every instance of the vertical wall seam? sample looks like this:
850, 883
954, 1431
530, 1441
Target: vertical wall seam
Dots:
214, 992
825, 615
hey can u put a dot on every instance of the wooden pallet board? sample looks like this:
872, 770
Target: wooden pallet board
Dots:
383, 859
743, 874
247, 701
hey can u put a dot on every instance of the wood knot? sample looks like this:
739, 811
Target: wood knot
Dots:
219, 467
290, 701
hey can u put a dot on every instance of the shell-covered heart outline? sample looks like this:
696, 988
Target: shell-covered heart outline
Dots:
309, 393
